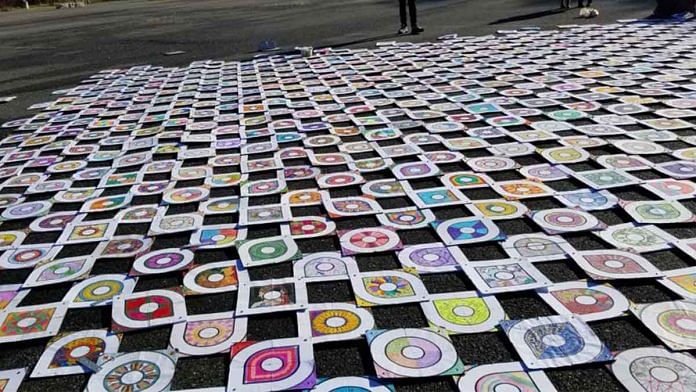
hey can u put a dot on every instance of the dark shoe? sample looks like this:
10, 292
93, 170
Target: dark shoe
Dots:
417, 30
403, 30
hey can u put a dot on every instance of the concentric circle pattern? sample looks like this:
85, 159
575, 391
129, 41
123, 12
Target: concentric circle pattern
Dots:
340, 220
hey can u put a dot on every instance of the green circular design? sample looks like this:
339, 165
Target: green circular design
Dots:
259, 251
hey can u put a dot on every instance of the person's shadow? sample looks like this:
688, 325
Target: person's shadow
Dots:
529, 16
369, 39
280, 51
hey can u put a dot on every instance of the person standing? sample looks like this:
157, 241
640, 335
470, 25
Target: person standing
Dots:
415, 29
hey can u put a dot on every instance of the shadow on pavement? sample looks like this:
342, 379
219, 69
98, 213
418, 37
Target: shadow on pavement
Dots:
286, 51
364, 40
529, 16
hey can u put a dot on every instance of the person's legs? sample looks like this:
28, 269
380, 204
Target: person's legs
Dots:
415, 29
413, 13
402, 12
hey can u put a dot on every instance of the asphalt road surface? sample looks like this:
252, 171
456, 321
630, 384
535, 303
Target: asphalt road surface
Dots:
44, 50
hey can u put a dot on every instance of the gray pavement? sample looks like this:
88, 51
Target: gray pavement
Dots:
45, 50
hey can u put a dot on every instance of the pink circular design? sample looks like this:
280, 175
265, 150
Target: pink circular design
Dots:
369, 239
340, 179
565, 219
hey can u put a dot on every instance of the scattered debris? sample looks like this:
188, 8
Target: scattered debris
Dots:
305, 51
71, 4
268, 46
40, 106
447, 36
589, 13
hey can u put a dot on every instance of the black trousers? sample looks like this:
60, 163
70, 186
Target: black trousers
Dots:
411, 11
566, 3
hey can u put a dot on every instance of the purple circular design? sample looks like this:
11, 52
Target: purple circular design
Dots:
427, 257
159, 261
56, 222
